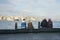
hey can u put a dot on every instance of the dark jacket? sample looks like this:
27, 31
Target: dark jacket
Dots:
50, 24
44, 23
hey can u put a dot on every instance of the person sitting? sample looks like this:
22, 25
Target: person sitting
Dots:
23, 24
30, 26
50, 23
44, 23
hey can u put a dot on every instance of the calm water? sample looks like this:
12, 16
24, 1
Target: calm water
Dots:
31, 36
11, 24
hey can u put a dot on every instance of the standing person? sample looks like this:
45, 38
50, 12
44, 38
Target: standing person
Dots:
30, 26
50, 23
44, 23
23, 24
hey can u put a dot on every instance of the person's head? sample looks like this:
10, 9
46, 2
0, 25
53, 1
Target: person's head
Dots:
23, 19
49, 19
44, 19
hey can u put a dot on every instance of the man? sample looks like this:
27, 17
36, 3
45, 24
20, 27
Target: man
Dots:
44, 23
23, 24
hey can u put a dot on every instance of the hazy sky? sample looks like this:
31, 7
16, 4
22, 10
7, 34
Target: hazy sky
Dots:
47, 8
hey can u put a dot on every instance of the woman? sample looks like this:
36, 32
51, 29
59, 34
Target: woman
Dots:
30, 26
50, 24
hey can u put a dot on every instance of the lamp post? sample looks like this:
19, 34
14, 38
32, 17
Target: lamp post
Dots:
38, 24
16, 23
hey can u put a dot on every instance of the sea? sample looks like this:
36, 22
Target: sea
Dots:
28, 36
11, 24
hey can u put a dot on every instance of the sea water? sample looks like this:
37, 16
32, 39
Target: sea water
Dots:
11, 24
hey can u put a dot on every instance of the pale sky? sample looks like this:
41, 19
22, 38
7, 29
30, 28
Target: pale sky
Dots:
46, 8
